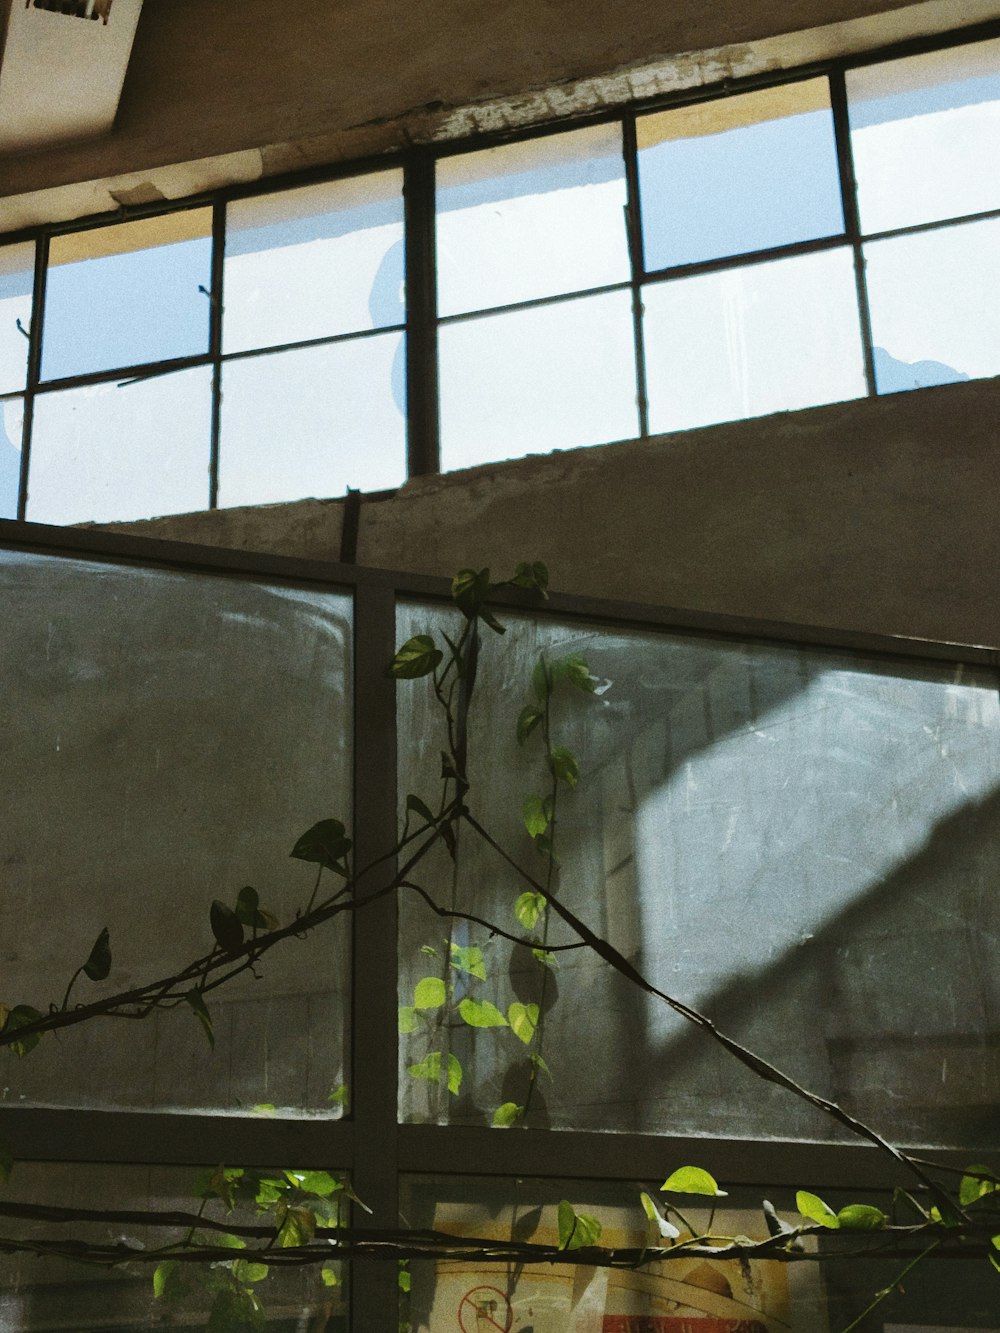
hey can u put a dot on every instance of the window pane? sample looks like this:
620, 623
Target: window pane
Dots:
128, 294
552, 377
926, 136
748, 341
314, 421
531, 219
16, 284
754, 824
314, 262
738, 174
180, 732
47, 1294
105, 452
934, 312
11, 422
686, 1294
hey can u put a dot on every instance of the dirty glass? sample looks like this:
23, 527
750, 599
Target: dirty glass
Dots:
313, 262
745, 342
934, 315
47, 1294
121, 450
684, 1294
167, 737
925, 133
128, 294
551, 377
737, 174
801, 844
314, 421
17, 263
531, 219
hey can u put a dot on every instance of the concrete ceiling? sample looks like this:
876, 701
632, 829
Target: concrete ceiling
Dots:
328, 79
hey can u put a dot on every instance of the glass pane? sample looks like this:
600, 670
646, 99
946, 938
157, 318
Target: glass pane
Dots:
934, 312
926, 136
531, 219
314, 421
738, 174
106, 451
128, 294
49, 1294
552, 377
17, 277
314, 262
685, 1294
11, 422
769, 834
748, 341
180, 732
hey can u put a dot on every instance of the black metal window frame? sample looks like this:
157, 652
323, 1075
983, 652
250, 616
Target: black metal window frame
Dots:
422, 322
370, 1144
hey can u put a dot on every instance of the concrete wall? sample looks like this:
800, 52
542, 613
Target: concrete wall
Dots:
875, 515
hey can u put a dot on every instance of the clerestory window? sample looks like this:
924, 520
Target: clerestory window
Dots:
763, 247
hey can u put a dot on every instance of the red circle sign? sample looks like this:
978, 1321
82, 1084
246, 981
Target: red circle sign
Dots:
485, 1309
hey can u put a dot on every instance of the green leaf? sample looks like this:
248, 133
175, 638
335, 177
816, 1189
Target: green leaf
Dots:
693, 1180
454, 1075
528, 719
246, 1271
417, 657
226, 927
813, 1207
249, 912
429, 993
539, 1063
546, 959
469, 588
418, 807
576, 1230
528, 908
506, 1115
541, 680
534, 815
428, 1068
266, 1109
468, 959
338, 1095
404, 1276
666, 1229
407, 1020
98, 965
531, 575
6, 1162
995, 1258
18, 1017
974, 1187
523, 1020
325, 844
235, 1310
861, 1217
197, 1003
166, 1277
481, 1014
221, 1182
321, 1183
268, 1190
330, 1276
564, 767
575, 672
298, 1228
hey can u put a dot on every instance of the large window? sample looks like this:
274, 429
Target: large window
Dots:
755, 248
799, 837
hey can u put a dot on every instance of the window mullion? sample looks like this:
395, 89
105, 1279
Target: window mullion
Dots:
852, 224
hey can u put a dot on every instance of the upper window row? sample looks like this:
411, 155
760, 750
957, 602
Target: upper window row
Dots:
676, 268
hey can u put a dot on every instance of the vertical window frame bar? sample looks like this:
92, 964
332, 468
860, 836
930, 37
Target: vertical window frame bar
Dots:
34, 366
633, 224
837, 79
423, 415
215, 343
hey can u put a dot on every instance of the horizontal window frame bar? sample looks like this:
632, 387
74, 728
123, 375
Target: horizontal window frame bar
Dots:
534, 302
